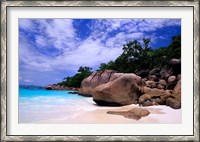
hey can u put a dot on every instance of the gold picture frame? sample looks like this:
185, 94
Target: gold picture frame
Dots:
34, 3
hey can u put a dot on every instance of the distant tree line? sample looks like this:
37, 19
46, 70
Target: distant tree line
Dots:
136, 56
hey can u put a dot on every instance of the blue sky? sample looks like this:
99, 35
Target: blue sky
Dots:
51, 49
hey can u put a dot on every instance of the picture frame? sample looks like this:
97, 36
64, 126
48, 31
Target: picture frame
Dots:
4, 60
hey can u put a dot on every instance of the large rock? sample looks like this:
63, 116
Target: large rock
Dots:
122, 91
115, 76
97, 78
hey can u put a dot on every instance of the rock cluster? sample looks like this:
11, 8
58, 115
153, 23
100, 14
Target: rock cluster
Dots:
162, 86
147, 87
165, 78
156, 96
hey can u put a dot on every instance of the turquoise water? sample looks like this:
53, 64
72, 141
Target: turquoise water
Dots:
31, 93
36, 105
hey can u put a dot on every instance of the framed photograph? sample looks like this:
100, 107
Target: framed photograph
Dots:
99, 70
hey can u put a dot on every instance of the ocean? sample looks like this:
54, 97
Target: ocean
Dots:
37, 104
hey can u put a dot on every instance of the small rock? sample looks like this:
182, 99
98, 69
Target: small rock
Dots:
159, 86
144, 81
147, 103
175, 61
171, 79
163, 82
152, 78
152, 92
144, 98
164, 98
166, 73
171, 86
157, 100
168, 92
150, 84
173, 103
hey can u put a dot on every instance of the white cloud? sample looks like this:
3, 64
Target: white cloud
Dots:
57, 32
89, 53
41, 41
147, 25
71, 52
32, 59
62, 31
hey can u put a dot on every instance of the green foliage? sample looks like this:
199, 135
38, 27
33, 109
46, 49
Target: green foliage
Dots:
159, 57
174, 49
134, 57
137, 56
110, 65
75, 81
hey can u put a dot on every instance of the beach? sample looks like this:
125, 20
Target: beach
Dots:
98, 115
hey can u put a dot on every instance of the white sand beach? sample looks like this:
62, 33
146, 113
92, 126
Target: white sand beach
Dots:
98, 115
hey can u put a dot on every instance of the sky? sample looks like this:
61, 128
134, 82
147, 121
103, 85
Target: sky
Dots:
52, 49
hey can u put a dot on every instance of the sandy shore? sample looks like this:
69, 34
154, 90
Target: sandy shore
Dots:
158, 115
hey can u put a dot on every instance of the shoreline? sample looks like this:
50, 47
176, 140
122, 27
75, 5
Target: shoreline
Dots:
158, 115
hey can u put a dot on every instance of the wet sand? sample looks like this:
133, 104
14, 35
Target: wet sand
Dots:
158, 115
